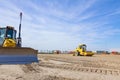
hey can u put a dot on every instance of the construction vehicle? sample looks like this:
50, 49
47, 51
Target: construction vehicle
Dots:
11, 50
81, 51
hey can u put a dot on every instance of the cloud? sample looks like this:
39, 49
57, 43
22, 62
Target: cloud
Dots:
116, 12
50, 40
57, 25
61, 9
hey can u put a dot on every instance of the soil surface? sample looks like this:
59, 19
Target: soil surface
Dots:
65, 67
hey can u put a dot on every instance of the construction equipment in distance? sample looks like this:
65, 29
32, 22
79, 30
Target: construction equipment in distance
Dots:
81, 51
11, 50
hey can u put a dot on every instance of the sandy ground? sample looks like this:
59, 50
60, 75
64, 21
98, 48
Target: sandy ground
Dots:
65, 67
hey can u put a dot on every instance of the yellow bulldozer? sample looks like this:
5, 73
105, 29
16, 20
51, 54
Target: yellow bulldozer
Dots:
11, 50
81, 51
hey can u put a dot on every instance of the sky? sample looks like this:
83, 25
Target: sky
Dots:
64, 24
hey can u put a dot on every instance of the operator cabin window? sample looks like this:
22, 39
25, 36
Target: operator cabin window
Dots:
2, 33
9, 33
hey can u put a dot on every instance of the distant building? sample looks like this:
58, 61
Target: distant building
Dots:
102, 52
114, 52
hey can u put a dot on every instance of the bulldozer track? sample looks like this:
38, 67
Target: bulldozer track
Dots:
78, 67
72, 65
87, 63
29, 68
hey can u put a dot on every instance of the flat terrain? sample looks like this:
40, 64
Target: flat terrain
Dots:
65, 67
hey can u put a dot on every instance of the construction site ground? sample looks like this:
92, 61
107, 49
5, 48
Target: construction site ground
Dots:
65, 67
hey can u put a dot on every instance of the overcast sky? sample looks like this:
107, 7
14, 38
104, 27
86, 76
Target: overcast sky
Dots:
63, 24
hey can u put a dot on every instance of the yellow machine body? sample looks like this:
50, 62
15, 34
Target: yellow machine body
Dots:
9, 43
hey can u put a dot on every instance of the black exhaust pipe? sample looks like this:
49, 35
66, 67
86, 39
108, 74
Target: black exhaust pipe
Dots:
19, 39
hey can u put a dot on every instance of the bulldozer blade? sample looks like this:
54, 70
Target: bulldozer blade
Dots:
16, 55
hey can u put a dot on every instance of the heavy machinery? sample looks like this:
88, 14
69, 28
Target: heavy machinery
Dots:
81, 51
11, 50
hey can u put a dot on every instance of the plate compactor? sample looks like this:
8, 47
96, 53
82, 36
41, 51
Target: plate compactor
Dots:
11, 50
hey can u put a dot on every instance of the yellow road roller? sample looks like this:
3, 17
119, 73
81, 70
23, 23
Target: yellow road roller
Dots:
81, 51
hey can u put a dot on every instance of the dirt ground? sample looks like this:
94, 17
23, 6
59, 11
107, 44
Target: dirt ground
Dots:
65, 67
